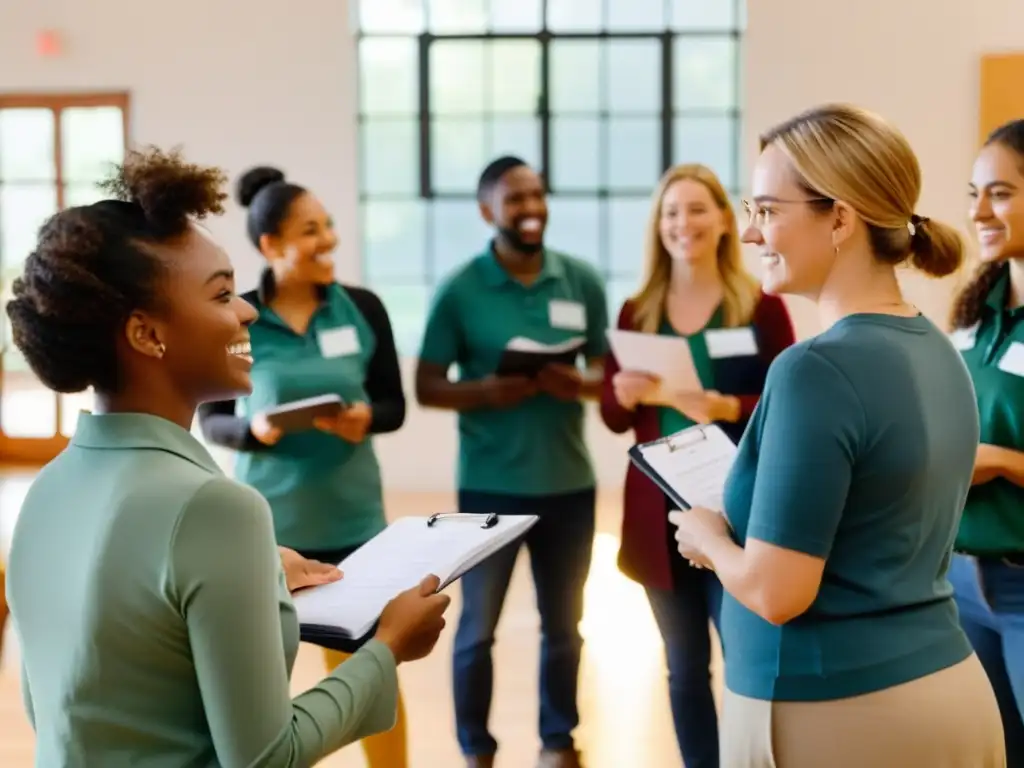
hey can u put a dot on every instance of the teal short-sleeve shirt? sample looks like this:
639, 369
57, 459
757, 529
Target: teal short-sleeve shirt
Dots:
325, 492
860, 452
993, 521
538, 447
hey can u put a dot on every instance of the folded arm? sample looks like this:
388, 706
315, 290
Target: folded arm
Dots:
226, 577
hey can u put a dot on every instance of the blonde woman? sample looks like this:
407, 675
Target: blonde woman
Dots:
843, 504
696, 287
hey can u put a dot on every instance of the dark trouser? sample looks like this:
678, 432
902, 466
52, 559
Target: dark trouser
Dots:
990, 597
560, 547
683, 614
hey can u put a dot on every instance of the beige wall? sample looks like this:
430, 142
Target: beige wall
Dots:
238, 84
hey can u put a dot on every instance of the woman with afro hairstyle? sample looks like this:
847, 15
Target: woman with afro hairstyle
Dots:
146, 587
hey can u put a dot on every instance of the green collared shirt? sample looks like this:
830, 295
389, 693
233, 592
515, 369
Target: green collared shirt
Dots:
156, 629
538, 447
993, 520
325, 492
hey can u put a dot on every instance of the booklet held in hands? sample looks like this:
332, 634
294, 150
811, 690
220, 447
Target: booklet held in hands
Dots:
397, 559
526, 357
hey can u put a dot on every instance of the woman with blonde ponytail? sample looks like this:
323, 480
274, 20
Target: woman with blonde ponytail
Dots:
843, 645
696, 287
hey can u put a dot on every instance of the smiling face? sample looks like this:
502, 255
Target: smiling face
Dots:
517, 208
691, 224
997, 205
202, 323
302, 250
795, 236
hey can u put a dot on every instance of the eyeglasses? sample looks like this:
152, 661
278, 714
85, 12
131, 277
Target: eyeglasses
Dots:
758, 213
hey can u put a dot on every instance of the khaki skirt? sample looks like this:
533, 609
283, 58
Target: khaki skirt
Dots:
948, 719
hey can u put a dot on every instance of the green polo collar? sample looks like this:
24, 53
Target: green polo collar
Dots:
496, 275
140, 431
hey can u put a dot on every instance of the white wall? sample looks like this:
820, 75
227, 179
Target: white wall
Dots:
271, 82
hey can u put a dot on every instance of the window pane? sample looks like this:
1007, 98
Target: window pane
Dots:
634, 76
518, 136
634, 152
627, 218
459, 233
454, 16
388, 72
704, 14
459, 154
514, 76
394, 241
618, 290
93, 141
26, 145
457, 77
574, 15
575, 153
705, 73
516, 15
405, 16
575, 76
645, 15
574, 227
23, 209
85, 193
407, 307
27, 408
711, 141
390, 162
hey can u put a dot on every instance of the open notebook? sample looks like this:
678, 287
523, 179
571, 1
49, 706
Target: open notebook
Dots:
342, 615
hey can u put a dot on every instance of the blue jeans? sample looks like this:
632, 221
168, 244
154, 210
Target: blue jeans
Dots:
560, 546
683, 615
990, 598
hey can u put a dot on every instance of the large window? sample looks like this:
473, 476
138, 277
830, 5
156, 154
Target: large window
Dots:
601, 96
53, 150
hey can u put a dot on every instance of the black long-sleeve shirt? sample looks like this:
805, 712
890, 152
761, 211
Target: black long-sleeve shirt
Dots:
221, 426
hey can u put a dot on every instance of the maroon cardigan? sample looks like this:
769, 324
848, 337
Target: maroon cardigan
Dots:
644, 551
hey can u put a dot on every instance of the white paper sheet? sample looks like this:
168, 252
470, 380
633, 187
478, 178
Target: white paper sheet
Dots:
695, 463
667, 357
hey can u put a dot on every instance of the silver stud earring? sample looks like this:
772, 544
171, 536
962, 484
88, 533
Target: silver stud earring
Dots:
160, 349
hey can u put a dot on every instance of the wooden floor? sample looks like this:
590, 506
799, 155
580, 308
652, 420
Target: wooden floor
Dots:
625, 719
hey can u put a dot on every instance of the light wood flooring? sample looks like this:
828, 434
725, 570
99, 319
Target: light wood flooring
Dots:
624, 703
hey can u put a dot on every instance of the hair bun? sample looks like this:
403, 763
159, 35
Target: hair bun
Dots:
253, 180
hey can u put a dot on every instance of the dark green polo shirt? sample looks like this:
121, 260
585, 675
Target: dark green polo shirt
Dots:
670, 419
993, 521
538, 447
325, 492
860, 452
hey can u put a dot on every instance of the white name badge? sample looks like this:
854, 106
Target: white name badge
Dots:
568, 315
1012, 360
339, 342
964, 338
730, 342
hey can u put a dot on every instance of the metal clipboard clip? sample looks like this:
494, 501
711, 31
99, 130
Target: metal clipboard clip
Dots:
489, 520
687, 438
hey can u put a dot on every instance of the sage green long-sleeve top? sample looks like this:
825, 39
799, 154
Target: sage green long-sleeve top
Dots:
156, 627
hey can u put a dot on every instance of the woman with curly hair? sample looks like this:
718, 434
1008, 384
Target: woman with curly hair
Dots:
146, 587
988, 328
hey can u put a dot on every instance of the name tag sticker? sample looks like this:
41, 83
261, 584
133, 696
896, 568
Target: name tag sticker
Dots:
1012, 360
964, 338
730, 342
339, 342
568, 315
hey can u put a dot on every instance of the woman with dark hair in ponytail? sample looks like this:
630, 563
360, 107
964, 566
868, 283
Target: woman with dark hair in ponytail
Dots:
988, 328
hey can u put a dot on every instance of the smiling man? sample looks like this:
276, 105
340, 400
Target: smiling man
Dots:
521, 444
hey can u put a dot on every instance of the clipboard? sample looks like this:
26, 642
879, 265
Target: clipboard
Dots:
690, 466
344, 615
